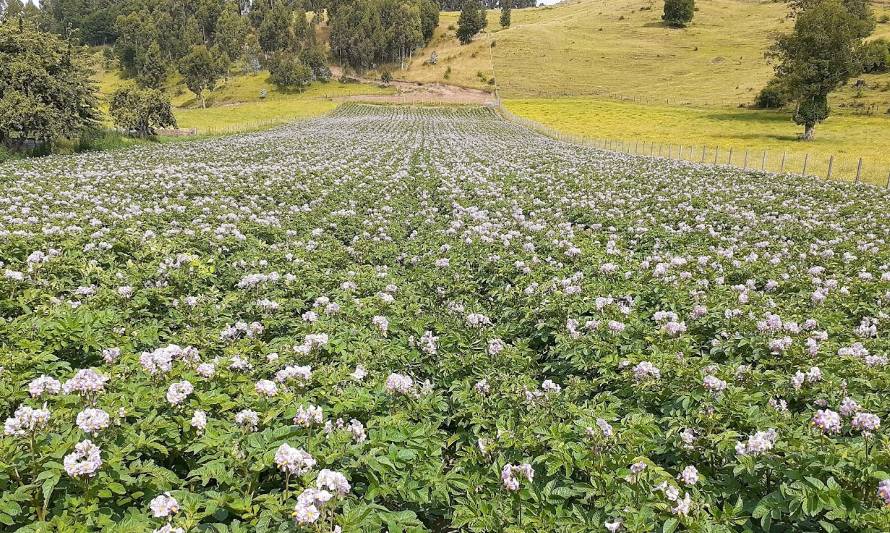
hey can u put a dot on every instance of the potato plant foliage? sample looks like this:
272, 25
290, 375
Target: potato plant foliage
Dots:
429, 319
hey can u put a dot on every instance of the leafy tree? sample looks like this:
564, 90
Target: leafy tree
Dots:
876, 56
315, 59
406, 30
471, 21
141, 110
199, 71
136, 31
678, 13
287, 70
252, 54
821, 54
355, 31
46, 92
231, 31
153, 71
429, 18
275, 31
506, 8
13, 9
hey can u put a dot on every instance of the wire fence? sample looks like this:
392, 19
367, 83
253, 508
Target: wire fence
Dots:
845, 168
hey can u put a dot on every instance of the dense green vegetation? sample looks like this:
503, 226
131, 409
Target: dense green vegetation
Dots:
46, 93
376, 322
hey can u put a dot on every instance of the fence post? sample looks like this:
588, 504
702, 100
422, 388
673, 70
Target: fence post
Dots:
637, 147
888, 180
806, 158
703, 148
763, 161
730, 156
745, 164
782, 168
716, 151
859, 170
830, 164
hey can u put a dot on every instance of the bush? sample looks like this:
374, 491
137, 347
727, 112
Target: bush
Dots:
678, 13
287, 70
773, 96
386, 77
315, 59
141, 110
876, 56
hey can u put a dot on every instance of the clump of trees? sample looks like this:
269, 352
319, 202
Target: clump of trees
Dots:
46, 92
823, 52
678, 13
367, 33
471, 21
456, 5
141, 111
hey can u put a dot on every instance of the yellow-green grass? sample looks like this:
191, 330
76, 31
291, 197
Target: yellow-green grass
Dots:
845, 137
621, 48
236, 104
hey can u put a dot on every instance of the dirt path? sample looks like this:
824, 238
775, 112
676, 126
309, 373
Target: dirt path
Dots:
417, 92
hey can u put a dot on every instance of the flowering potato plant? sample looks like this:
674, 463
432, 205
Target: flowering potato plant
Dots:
421, 319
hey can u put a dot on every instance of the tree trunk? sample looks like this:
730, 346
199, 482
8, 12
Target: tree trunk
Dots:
203, 103
809, 131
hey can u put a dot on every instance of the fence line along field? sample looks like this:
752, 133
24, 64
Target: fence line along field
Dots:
429, 319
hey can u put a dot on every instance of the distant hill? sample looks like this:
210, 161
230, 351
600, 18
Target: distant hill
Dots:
621, 48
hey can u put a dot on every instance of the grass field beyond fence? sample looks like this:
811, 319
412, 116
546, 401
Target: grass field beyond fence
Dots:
840, 141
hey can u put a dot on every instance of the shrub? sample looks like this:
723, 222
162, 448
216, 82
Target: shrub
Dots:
141, 110
773, 96
876, 56
287, 70
315, 59
678, 13
386, 77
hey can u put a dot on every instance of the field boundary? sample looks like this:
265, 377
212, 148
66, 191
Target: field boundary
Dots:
749, 160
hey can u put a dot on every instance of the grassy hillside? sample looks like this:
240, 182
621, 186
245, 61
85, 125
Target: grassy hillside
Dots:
621, 48
236, 105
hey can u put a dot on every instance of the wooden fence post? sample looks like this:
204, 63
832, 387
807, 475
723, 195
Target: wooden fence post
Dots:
703, 148
806, 157
745, 164
782, 168
730, 156
859, 170
763, 161
830, 164
716, 151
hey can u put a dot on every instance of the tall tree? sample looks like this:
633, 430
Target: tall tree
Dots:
429, 18
13, 9
471, 21
231, 30
153, 70
820, 55
199, 71
46, 90
275, 31
506, 8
